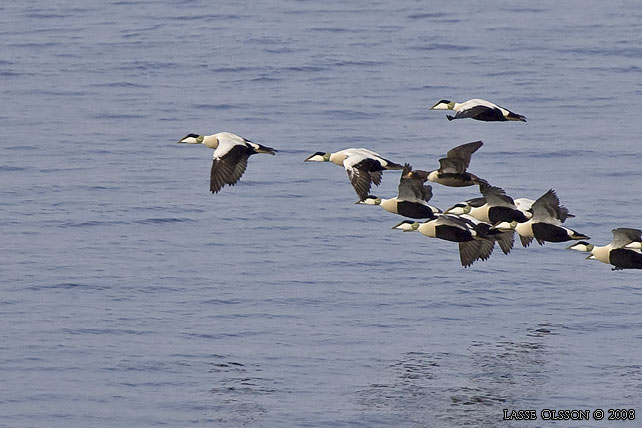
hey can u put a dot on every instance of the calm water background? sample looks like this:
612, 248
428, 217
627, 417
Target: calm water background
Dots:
130, 296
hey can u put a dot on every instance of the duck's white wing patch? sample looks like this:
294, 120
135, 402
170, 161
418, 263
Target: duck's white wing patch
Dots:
365, 153
477, 102
230, 138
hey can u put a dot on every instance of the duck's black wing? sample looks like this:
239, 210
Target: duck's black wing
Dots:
228, 167
624, 235
458, 158
412, 186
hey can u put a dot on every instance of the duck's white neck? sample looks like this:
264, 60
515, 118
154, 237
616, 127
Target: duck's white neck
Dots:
389, 205
602, 253
525, 229
428, 229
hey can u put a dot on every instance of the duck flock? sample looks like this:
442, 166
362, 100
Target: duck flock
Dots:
476, 224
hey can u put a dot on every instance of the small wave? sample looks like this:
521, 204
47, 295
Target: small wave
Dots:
161, 220
34, 45
222, 302
118, 116
119, 85
210, 17
336, 30
424, 15
266, 79
304, 68
442, 47
223, 106
11, 168
630, 52
65, 286
9, 73
60, 93
237, 69
351, 114
91, 223
105, 331
45, 15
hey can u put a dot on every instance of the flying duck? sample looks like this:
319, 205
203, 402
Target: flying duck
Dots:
618, 253
479, 110
474, 244
452, 168
363, 166
495, 207
412, 199
230, 156
546, 223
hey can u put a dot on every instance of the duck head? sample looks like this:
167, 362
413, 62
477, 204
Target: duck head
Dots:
443, 105
459, 209
210, 141
407, 226
505, 226
318, 157
370, 200
581, 246
192, 139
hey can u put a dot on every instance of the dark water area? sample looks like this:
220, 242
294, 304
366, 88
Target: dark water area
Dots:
131, 296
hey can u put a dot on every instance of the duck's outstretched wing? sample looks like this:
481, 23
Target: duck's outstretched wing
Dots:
363, 171
548, 206
458, 158
624, 235
228, 166
412, 187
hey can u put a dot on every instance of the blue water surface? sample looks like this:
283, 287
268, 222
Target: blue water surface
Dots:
131, 296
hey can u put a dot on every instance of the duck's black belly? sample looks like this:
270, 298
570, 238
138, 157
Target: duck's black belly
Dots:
550, 233
625, 259
508, 214
414, 210
452, 233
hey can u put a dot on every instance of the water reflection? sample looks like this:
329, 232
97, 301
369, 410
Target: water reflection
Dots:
468, 389
236, 389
